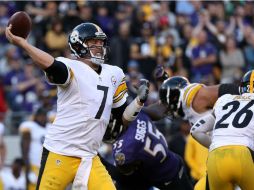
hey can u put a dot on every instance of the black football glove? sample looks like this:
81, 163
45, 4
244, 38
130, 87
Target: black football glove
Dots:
160, 74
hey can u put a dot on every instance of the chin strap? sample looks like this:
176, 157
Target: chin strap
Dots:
97, 59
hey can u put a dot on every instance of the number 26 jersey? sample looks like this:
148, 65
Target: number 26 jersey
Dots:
234, 123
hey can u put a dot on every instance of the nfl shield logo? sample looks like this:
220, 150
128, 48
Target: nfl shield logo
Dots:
120, 158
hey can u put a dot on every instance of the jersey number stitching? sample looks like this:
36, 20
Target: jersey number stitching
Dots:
158, 147
103, 102
245, 110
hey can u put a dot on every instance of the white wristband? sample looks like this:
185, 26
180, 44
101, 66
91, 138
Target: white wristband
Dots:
132, 110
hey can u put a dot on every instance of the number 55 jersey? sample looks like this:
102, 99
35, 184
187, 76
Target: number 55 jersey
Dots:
234, 123
144, 145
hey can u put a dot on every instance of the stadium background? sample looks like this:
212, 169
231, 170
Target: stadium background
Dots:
209, 42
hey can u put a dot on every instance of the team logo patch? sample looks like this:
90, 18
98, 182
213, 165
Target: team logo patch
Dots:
120, 158
113, 80
58, 162
74, 36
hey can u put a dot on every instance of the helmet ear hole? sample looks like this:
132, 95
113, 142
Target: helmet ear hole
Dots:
83, 51
79, 48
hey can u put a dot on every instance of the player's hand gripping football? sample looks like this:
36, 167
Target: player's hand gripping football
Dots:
12, 38
143, 90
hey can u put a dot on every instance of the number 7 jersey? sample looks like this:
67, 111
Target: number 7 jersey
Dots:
83, 108
234, 123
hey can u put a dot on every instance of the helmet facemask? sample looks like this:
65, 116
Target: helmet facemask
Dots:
96, 59
173, 102
171, 92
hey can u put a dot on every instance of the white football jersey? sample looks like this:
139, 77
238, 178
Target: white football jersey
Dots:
83, 108
10, 182
187, 96
1, 129
37, 133
234, 123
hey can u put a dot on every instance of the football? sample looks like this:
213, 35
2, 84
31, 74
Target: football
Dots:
21, 24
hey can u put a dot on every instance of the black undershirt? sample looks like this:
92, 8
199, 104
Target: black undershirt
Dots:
228, 89
58, 72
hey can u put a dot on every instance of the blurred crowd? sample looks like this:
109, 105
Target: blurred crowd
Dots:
208, 42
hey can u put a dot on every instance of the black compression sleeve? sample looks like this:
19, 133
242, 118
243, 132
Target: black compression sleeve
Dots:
57, 72
228, 89
118, 112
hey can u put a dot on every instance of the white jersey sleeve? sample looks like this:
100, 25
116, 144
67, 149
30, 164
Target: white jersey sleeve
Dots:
189, 93
200, 129
26, 126
187, 96
121, 94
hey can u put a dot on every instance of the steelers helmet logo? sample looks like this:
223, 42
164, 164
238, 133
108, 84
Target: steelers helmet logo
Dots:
74, 36
120, 158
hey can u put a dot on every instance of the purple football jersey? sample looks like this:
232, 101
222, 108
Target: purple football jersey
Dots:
143, 142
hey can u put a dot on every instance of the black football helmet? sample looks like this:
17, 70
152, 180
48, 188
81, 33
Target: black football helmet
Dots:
113, 131
247, 83
170, 93
78, 37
